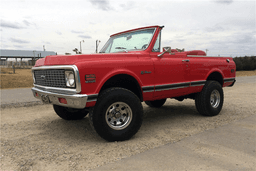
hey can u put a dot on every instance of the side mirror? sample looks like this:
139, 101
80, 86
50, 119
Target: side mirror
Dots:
166, 49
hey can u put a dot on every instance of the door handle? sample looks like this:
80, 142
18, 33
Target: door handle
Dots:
185, 60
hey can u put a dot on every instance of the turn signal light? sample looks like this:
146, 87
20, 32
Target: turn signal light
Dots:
62, 100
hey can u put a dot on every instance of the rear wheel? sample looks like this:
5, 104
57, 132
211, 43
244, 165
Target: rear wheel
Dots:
210, 100
70, 113
156, 103
117, 115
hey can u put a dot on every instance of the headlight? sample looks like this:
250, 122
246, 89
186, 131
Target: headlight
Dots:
70, 79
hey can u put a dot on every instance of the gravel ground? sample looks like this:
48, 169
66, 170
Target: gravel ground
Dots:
35, 138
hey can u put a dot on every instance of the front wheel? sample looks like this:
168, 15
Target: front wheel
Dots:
70, 113
210, 100
117, 115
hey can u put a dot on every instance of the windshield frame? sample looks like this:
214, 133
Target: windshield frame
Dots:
127, 32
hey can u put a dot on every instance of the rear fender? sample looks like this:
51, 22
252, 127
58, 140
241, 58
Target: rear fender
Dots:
215, 70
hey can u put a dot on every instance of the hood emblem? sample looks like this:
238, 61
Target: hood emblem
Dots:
43, 77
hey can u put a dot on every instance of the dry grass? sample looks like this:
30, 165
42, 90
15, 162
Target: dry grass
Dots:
23, 77
245, 73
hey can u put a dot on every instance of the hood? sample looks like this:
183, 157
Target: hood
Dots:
72, 59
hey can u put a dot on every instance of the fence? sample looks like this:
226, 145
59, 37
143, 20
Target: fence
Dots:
19, 64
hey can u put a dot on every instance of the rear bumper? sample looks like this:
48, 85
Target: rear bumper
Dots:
232, 84
77, 101
229, 81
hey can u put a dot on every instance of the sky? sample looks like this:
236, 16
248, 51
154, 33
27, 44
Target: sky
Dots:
224, 27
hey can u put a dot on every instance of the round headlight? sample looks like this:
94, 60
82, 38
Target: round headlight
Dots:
71, 79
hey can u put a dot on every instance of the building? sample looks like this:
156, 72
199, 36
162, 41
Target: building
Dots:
4, 53
23, 54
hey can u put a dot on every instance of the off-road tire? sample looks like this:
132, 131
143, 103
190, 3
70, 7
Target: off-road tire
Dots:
156, 103
206, 105
70, 113
99, 114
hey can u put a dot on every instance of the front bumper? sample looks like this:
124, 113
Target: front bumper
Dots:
77, 101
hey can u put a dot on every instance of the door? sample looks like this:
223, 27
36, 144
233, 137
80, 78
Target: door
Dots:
171, 75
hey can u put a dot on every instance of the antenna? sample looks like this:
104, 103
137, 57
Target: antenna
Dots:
206, 51
81, 46
97, 45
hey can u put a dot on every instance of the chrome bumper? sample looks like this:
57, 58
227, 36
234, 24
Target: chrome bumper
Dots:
77, 101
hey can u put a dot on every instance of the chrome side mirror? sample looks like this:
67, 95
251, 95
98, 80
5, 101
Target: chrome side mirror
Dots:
167, 49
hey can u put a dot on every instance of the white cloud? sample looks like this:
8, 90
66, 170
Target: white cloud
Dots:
26, 22
85, 36
21, 41
77, 32
214, 25
224, 1
58, 32
10, 25
102, 4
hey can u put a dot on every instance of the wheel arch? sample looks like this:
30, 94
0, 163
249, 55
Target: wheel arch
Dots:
216, 75
123, 80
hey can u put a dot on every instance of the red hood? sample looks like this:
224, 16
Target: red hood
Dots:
72, 59
64, 59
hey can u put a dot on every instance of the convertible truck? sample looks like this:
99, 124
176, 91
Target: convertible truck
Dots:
130, 69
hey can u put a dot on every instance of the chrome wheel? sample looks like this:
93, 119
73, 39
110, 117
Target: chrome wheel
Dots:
118, 115
210, 100
215, 98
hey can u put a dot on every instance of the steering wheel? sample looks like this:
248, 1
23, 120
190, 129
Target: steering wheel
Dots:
144, 46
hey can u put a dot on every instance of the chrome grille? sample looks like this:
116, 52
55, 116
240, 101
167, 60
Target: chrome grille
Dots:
50, 78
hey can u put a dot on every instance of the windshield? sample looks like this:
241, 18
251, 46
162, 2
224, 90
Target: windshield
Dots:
131, 41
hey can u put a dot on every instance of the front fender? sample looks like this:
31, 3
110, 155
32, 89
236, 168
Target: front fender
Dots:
103, 72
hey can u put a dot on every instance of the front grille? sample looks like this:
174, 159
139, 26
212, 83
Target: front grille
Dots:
50, 78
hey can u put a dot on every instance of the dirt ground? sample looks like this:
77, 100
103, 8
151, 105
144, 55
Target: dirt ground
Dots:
23, 77
35, 138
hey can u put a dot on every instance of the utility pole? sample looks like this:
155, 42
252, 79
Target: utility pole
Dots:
97, 44
81, 46
34, 59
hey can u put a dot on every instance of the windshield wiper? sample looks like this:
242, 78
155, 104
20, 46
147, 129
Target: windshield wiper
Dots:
120, 48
